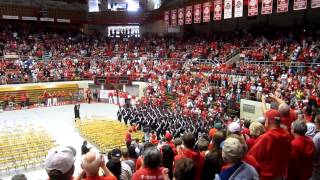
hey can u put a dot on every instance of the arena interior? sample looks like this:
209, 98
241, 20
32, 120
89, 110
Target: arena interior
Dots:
160, 89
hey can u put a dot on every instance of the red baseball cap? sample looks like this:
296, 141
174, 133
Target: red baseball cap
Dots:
168, 136
272, 114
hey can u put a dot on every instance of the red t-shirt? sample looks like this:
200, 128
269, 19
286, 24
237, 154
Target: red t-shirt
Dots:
146, 173
196, 158
101, 178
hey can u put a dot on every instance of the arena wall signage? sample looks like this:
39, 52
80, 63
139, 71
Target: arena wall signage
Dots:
29, 18
197, 13
267, 6
64, 20
299, 4
183, 16
188, 15
206, 12
174, 17
253, 7
238, 8
47, 19
315, 3
227, 9
282, 6
180, 16
166, 18
10, 17
217, 16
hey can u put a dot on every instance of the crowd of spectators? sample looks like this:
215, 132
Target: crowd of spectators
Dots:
264, 150
187, 111
48, 56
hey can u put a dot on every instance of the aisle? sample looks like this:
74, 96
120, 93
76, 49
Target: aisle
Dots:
59, 123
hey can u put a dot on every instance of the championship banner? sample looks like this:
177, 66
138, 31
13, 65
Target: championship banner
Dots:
253, 7
227, 9
299, 4
315, 3
206, 12
238, 8
217, 13
166, 18
267, 6
197, 13
282, 6
180, 16
188, 15
174, 17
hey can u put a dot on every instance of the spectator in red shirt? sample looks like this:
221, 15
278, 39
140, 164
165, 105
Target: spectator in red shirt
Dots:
151, 166
169, 142
256, 130
128, 137
302, 153
272, 149
188, 152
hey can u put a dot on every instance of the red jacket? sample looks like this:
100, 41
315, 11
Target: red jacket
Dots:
272, 151
195, 156
301, 158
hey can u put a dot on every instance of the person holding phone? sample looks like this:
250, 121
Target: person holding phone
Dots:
91, 163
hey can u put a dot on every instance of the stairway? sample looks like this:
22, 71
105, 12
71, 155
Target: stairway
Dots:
232, 58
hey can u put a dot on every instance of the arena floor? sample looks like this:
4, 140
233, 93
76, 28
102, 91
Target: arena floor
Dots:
59, 123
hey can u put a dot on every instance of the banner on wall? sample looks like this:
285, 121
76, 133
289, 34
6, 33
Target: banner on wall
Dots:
238, 8
252, 7
315, 3
174, 17
227, 9
166, 18
266, 6
299, 4
188, 15
64, 20
197, 13
47, 19
282, 6
206, 12
10, 17
180, 16
29, 18
217, 13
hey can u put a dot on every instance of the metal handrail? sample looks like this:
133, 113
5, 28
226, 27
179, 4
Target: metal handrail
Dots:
285, 63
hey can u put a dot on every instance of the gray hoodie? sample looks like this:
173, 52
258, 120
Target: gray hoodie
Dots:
244, 172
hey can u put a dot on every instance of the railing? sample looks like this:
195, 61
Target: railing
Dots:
283, 64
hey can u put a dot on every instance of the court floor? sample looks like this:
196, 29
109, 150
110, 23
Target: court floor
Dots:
59, 122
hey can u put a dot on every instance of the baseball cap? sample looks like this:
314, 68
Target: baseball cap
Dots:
168, 136
218, 125
116, 153
234, 127
60, 158
233, 149
272, 115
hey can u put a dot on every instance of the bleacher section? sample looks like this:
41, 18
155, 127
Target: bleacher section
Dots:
34, 91
18, 10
